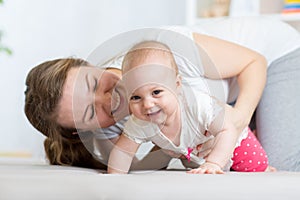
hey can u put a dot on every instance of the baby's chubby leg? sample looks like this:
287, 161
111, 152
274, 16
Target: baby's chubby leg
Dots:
250, 156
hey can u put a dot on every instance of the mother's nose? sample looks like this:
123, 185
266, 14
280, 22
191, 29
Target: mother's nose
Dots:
102, 99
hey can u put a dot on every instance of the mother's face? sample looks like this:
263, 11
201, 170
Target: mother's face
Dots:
86, 101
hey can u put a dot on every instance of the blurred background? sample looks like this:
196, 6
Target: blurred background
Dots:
34, 31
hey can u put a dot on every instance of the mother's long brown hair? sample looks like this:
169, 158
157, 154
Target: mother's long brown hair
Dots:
44, 90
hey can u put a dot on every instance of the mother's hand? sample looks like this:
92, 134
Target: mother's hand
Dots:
239, 118
240, 121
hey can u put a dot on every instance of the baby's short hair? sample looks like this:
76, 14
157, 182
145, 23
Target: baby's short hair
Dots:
141, 51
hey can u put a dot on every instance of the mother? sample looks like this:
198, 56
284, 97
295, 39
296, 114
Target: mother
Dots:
230, 45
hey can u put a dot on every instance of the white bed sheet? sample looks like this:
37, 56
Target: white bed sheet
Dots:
41, 181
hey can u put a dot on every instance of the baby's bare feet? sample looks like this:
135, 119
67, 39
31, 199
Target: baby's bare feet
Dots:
271, 169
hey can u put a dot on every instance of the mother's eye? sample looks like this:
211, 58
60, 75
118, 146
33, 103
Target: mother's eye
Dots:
95, 84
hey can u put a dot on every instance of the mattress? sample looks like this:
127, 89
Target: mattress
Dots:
42, 181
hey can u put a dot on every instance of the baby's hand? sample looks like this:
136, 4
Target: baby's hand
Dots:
207, 168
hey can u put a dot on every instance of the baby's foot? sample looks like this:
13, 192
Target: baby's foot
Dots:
271, 169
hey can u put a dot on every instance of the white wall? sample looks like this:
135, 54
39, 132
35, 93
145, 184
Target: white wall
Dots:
38, 30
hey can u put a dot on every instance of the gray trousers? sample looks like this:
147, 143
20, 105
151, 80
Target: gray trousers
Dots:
278, 113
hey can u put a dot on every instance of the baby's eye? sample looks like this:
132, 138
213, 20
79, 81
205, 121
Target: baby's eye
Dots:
134, 98
156, 92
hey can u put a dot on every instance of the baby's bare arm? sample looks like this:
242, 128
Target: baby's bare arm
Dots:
121, 155
226, 137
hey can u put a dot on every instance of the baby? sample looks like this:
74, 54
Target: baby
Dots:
178, 118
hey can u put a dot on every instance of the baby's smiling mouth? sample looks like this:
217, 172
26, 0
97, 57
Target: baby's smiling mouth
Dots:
153, 112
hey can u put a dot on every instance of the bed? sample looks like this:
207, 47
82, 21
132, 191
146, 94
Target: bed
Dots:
34, 180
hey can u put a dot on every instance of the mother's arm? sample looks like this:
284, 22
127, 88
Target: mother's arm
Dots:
234, 60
